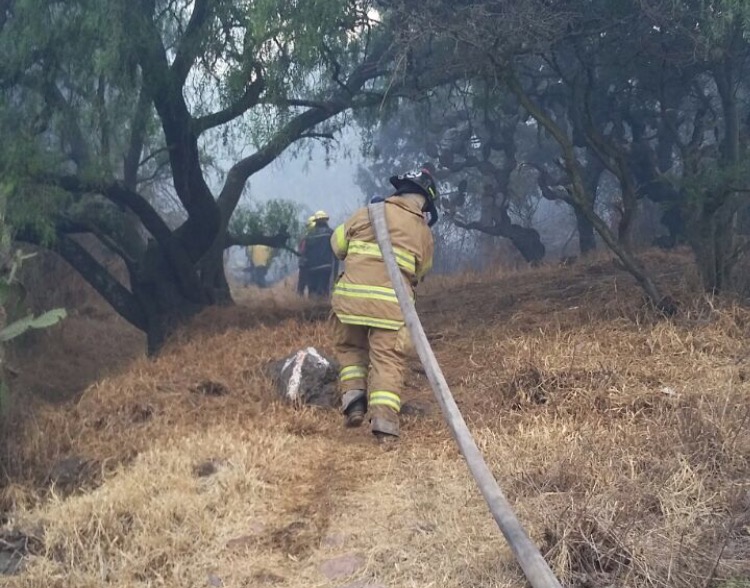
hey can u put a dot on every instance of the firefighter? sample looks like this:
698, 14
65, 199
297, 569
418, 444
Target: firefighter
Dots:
259, 257
302, 281
370, 336
319, 257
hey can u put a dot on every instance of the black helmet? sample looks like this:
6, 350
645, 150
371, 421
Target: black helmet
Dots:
422, 181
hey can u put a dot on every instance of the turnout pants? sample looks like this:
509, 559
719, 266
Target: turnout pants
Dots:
302, 281
319, 281
373, 360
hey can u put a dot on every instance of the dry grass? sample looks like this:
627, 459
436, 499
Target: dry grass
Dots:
621, 439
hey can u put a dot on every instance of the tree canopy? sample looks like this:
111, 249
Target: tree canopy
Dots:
649, 93
104, 102
141, 122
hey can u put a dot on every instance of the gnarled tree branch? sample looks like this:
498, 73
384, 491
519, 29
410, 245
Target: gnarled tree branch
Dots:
154, 224
277, 241
243, 104
121, 299
189, 47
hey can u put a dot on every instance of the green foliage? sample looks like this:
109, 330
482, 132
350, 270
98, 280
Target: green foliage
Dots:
267, 219
29, 204
43, 321
12, 293
710, 25
715, 182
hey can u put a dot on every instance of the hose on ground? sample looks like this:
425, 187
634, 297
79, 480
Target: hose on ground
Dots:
534, 566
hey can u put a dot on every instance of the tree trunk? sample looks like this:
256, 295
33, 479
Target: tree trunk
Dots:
714, 228
527, 241
712, 243
586, 234
214, 278
579, 195
591, 174
165, 305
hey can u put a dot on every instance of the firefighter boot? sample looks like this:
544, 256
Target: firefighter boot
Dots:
384, 423
354, 407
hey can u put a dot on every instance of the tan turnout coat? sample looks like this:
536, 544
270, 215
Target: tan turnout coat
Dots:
363, 294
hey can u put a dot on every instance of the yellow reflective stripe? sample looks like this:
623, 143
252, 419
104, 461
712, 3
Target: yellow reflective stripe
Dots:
383, 398
365, 248
353, 369
365, 292
385, 290
425, 268
404, 259
339, 236
352, 372
369, 321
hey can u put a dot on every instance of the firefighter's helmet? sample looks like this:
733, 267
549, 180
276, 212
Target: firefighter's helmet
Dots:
422, 181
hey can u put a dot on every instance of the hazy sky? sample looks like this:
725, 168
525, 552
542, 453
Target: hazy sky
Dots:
305, 177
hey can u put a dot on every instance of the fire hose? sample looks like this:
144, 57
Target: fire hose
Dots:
534, 566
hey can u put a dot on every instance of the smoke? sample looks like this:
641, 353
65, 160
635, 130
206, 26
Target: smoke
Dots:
314, 178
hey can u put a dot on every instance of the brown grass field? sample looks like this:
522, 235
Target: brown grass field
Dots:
621, 439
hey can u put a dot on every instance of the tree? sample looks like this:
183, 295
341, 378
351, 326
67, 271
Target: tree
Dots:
537, 61
102, 101
704, 120
471, 136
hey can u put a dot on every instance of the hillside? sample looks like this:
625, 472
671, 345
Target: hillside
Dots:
620, 438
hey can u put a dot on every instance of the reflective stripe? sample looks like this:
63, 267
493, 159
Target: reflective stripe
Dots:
404, 259
369, 321
364, 291
352, 372
339, 236
424, 269
384, 398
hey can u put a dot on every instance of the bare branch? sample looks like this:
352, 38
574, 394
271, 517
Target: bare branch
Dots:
154, 224
132, 158
277, 241
238, 108
121, 299
122, 196
311, 135
189, 48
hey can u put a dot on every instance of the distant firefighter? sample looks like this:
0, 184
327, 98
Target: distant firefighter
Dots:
259, 257
302, 281
371, 339
319, 261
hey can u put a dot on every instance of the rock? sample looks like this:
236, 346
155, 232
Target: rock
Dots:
307, 377
414, 408
214, 580
341, 567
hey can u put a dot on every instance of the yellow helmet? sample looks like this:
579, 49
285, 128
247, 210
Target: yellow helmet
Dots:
321, 215
311, 221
